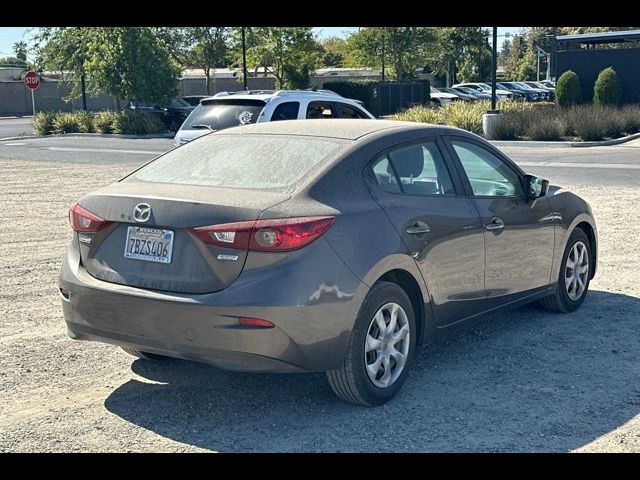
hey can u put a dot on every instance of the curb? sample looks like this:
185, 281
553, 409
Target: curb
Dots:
103, 135
530, 143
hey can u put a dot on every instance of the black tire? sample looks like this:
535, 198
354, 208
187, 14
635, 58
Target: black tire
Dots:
560, 301
143, 355
351, 382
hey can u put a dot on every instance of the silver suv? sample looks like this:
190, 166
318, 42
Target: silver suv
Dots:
230, 109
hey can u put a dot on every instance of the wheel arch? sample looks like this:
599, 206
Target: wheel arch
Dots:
588, 229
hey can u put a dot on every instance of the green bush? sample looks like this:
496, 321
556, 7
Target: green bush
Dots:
140, 123
66, 122
43, 123
420, 115
108, 122
568, 90
467, 116
630, 118
545, 129
607, 89
86, 122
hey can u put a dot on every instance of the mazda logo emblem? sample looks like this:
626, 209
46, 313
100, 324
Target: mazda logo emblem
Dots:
142, 212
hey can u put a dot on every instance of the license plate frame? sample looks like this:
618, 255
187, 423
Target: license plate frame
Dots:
151, 241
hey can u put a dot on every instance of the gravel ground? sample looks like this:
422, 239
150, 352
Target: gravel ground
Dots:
526, 380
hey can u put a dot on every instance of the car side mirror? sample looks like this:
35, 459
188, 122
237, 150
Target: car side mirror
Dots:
535, 186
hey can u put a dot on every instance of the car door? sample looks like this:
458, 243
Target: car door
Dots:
441, 228
518, 231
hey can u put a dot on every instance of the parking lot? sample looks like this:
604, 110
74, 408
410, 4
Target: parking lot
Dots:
525, 380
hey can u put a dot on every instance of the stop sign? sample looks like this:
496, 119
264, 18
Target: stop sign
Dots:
32, 80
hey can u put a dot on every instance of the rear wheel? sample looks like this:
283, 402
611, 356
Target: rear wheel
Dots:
143, 355
381, 348
573, 280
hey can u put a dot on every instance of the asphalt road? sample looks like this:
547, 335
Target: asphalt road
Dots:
613, 165
15, 126
526, 380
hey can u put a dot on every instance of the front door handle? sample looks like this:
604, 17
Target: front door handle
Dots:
495, 224
418, 227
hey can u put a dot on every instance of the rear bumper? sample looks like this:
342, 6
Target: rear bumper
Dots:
312, 323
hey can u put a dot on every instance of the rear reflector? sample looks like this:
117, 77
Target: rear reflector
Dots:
255, 322
82, 220
274, 235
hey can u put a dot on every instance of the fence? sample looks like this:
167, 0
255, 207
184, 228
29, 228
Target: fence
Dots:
15, 98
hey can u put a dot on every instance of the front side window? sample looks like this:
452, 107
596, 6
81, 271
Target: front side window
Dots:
416, 169
488, 174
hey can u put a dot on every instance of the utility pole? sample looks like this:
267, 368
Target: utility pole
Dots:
244, 58
383, 57
494, 65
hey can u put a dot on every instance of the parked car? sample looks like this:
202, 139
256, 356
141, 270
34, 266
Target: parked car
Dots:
320, 246
194, 100
525, 94
440, 99
466, 97
478, 94
548, 83
230, 109
551, 91
172, 115
501, 94
543, 93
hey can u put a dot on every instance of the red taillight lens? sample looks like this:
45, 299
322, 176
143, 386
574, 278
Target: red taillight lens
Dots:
274, 235
82, 220
255, 322
286, 234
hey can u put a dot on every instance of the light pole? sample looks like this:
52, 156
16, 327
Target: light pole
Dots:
244, 59
383, 57
494, 66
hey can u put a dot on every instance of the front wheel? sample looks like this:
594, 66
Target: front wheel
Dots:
575, 272
381, 348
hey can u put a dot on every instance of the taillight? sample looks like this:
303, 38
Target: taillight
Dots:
82, 220
274, 235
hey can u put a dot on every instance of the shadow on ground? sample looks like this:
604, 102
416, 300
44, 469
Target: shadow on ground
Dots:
525, 380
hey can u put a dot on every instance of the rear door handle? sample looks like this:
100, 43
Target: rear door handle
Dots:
418, 227
495, 224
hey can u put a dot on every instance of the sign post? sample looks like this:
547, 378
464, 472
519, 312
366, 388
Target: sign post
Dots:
32, 82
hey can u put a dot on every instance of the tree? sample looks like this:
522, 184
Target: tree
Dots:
20, 50
607, 89
209, 50
568, 89
465, 48
527, 65
335, 51
130, 62
126, 62
13, 62
402, 48
287, 52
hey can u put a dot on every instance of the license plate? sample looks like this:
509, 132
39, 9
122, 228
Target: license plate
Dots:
149, 244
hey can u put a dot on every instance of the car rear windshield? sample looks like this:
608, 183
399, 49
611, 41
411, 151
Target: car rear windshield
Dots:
219, 114
261, 162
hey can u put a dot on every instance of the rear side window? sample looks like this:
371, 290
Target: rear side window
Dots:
264, 162
416, 169
321, 110
347, 111
220, 114
286, 111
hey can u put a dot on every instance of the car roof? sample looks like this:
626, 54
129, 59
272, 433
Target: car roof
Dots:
343, 128
267, 96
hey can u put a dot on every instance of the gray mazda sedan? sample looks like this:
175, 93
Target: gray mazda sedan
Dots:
338, 246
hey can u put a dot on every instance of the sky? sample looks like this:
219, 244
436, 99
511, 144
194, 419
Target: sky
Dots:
10, 35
